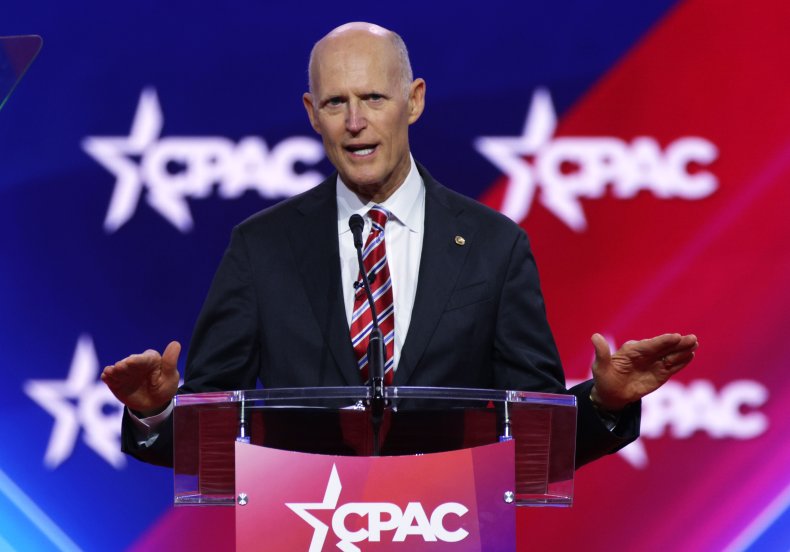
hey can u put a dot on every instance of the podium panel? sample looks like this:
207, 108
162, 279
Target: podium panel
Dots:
456, 501
336, 421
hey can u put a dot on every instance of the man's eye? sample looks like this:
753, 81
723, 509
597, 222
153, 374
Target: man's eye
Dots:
375, 97
334, 102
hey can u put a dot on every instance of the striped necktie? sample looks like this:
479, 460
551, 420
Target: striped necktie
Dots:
374, 257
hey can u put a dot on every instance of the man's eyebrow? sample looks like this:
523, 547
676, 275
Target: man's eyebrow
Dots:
329, 97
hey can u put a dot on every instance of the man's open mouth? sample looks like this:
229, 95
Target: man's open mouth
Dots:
361, 149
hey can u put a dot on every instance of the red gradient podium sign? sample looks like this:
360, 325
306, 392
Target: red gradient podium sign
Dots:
451, 501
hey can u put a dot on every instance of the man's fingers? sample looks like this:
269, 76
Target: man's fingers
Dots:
119, 371
666, 344
679, 353
119, 382
135, 368
107, 377
688, 343
660, 345
676, 359
138, 363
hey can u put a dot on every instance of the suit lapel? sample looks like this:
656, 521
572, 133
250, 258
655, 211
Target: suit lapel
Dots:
440, 265
315, 247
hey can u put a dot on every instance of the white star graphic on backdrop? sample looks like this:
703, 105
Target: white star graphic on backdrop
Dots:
507, 153
115, 152
331, 496
80, 401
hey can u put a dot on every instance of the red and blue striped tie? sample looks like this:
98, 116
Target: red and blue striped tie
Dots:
374, 257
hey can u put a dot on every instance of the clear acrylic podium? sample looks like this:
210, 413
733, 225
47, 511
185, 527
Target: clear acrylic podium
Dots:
337, 421
16, 55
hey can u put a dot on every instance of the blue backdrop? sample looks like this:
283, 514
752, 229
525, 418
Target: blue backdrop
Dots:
144, 131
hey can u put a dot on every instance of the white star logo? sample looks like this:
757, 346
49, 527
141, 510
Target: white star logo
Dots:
81, 400
570, 168
174, 169
331, 496
507, 153
115, 152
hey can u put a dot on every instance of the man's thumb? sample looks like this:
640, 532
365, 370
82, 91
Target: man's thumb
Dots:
170, 356
602, 351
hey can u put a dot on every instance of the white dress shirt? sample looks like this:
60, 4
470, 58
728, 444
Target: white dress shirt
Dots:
403, 236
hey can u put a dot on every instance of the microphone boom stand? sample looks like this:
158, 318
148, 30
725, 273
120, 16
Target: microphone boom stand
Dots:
375, 343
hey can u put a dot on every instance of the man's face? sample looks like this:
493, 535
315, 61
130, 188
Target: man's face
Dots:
362, 111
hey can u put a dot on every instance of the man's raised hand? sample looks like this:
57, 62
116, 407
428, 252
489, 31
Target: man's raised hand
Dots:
637, 368
146, 382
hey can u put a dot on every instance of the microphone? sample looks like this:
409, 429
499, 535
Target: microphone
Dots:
376, 340
356, 224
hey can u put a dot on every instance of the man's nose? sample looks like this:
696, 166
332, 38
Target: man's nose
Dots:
355, 120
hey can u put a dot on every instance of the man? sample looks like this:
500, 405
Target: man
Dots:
459, 277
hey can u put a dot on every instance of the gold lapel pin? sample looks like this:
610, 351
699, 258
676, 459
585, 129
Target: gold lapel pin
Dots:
459, 240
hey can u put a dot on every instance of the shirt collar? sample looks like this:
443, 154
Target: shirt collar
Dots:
402, 205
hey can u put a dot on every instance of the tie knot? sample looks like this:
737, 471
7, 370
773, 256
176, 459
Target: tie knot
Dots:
378, 216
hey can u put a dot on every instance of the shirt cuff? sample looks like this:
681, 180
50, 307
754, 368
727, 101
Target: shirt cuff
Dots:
146, 430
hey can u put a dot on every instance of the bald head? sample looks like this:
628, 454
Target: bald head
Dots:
364, 34
362, 101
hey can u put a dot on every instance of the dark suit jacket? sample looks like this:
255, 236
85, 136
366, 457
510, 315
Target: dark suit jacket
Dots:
275, 312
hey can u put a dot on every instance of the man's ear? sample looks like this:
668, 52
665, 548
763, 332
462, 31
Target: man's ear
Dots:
416, 99
307, 100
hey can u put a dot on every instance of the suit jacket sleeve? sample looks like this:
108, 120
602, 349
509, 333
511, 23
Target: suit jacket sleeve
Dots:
526, 358
224, 348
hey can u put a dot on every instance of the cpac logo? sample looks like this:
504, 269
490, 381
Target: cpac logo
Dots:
382, 517
173, 169
81, 401
569, 168
682, 410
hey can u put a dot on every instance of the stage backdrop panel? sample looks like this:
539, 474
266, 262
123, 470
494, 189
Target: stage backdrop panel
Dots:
644, 146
